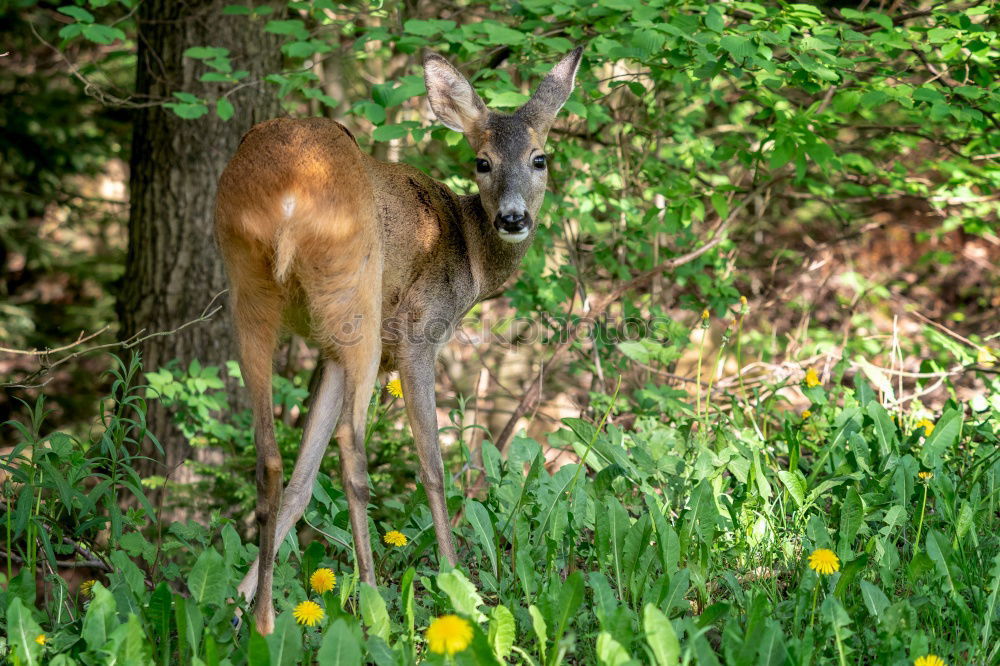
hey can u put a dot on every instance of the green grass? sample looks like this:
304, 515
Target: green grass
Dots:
680, 541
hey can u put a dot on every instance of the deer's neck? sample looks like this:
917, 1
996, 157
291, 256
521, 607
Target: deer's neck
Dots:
492, 260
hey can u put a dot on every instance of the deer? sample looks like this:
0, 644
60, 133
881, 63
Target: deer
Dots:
374, 263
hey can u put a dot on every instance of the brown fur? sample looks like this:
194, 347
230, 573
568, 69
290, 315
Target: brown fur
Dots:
365, 259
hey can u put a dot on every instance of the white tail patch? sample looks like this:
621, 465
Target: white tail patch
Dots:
284, 242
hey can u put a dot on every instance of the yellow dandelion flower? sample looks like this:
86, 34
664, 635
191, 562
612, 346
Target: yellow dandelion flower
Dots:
704, 314
806, 414
87, 588
925, 476
322, 580
927, 425
743, 301
395, 538
812, 378
40, 639
395, 388
308, 613
929, 660
824, 561
449, 634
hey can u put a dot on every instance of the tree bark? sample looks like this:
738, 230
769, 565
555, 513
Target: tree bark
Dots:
173, 268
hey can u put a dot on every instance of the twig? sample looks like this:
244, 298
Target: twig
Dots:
90, 88
42, 352
65, 564
210, 310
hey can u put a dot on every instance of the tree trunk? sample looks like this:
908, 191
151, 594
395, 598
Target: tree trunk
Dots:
173, 269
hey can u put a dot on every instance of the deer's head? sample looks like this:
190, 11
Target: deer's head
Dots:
511, 165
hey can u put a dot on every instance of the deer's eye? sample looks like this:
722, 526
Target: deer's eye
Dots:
539, 161
482, 166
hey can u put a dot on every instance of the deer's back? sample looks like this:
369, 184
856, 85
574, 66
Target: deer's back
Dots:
296, 221
289, 170
300, 205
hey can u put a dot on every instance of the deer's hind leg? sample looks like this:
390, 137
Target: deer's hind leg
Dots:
344, 295
361, 368
257, 315
320, 422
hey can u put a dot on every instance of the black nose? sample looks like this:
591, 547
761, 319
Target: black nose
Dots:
512, 223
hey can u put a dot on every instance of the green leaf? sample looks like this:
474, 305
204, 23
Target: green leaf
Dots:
661, 636
292, 27
635, 350
479, 517
194, 624
102, 34
849, 574
390, 132
796, 485
224, 108
22, 632
71, 30
427, 27
206, 581
875, 600
409, 87
721, 205
851, 517
126, 570
79, 13
570, 598
714, 20
158, 614
873, 98
648, 42
772, 650
406, 600
258, 653
614, 540
304, 49
206, 52
339, 647
463, 594
666, 536
937, 551
501, 631
187, 111
501, 35
131, 642
784, 151
885, 430
540, 628
508, 99
991, 604
945, 434
100, 618
970, 92
373, 612
375, 113
285, 642
739, 47
610, 652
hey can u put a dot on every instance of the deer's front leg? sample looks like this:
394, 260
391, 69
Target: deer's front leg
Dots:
416, 371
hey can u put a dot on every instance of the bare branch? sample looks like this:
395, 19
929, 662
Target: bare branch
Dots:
47, 365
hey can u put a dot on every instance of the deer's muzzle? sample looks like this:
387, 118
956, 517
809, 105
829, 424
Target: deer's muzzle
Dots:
513, 227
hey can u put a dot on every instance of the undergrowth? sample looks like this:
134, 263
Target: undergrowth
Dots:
685, 539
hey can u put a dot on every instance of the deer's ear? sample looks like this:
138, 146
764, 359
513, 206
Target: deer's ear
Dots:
553, 91
454, 101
